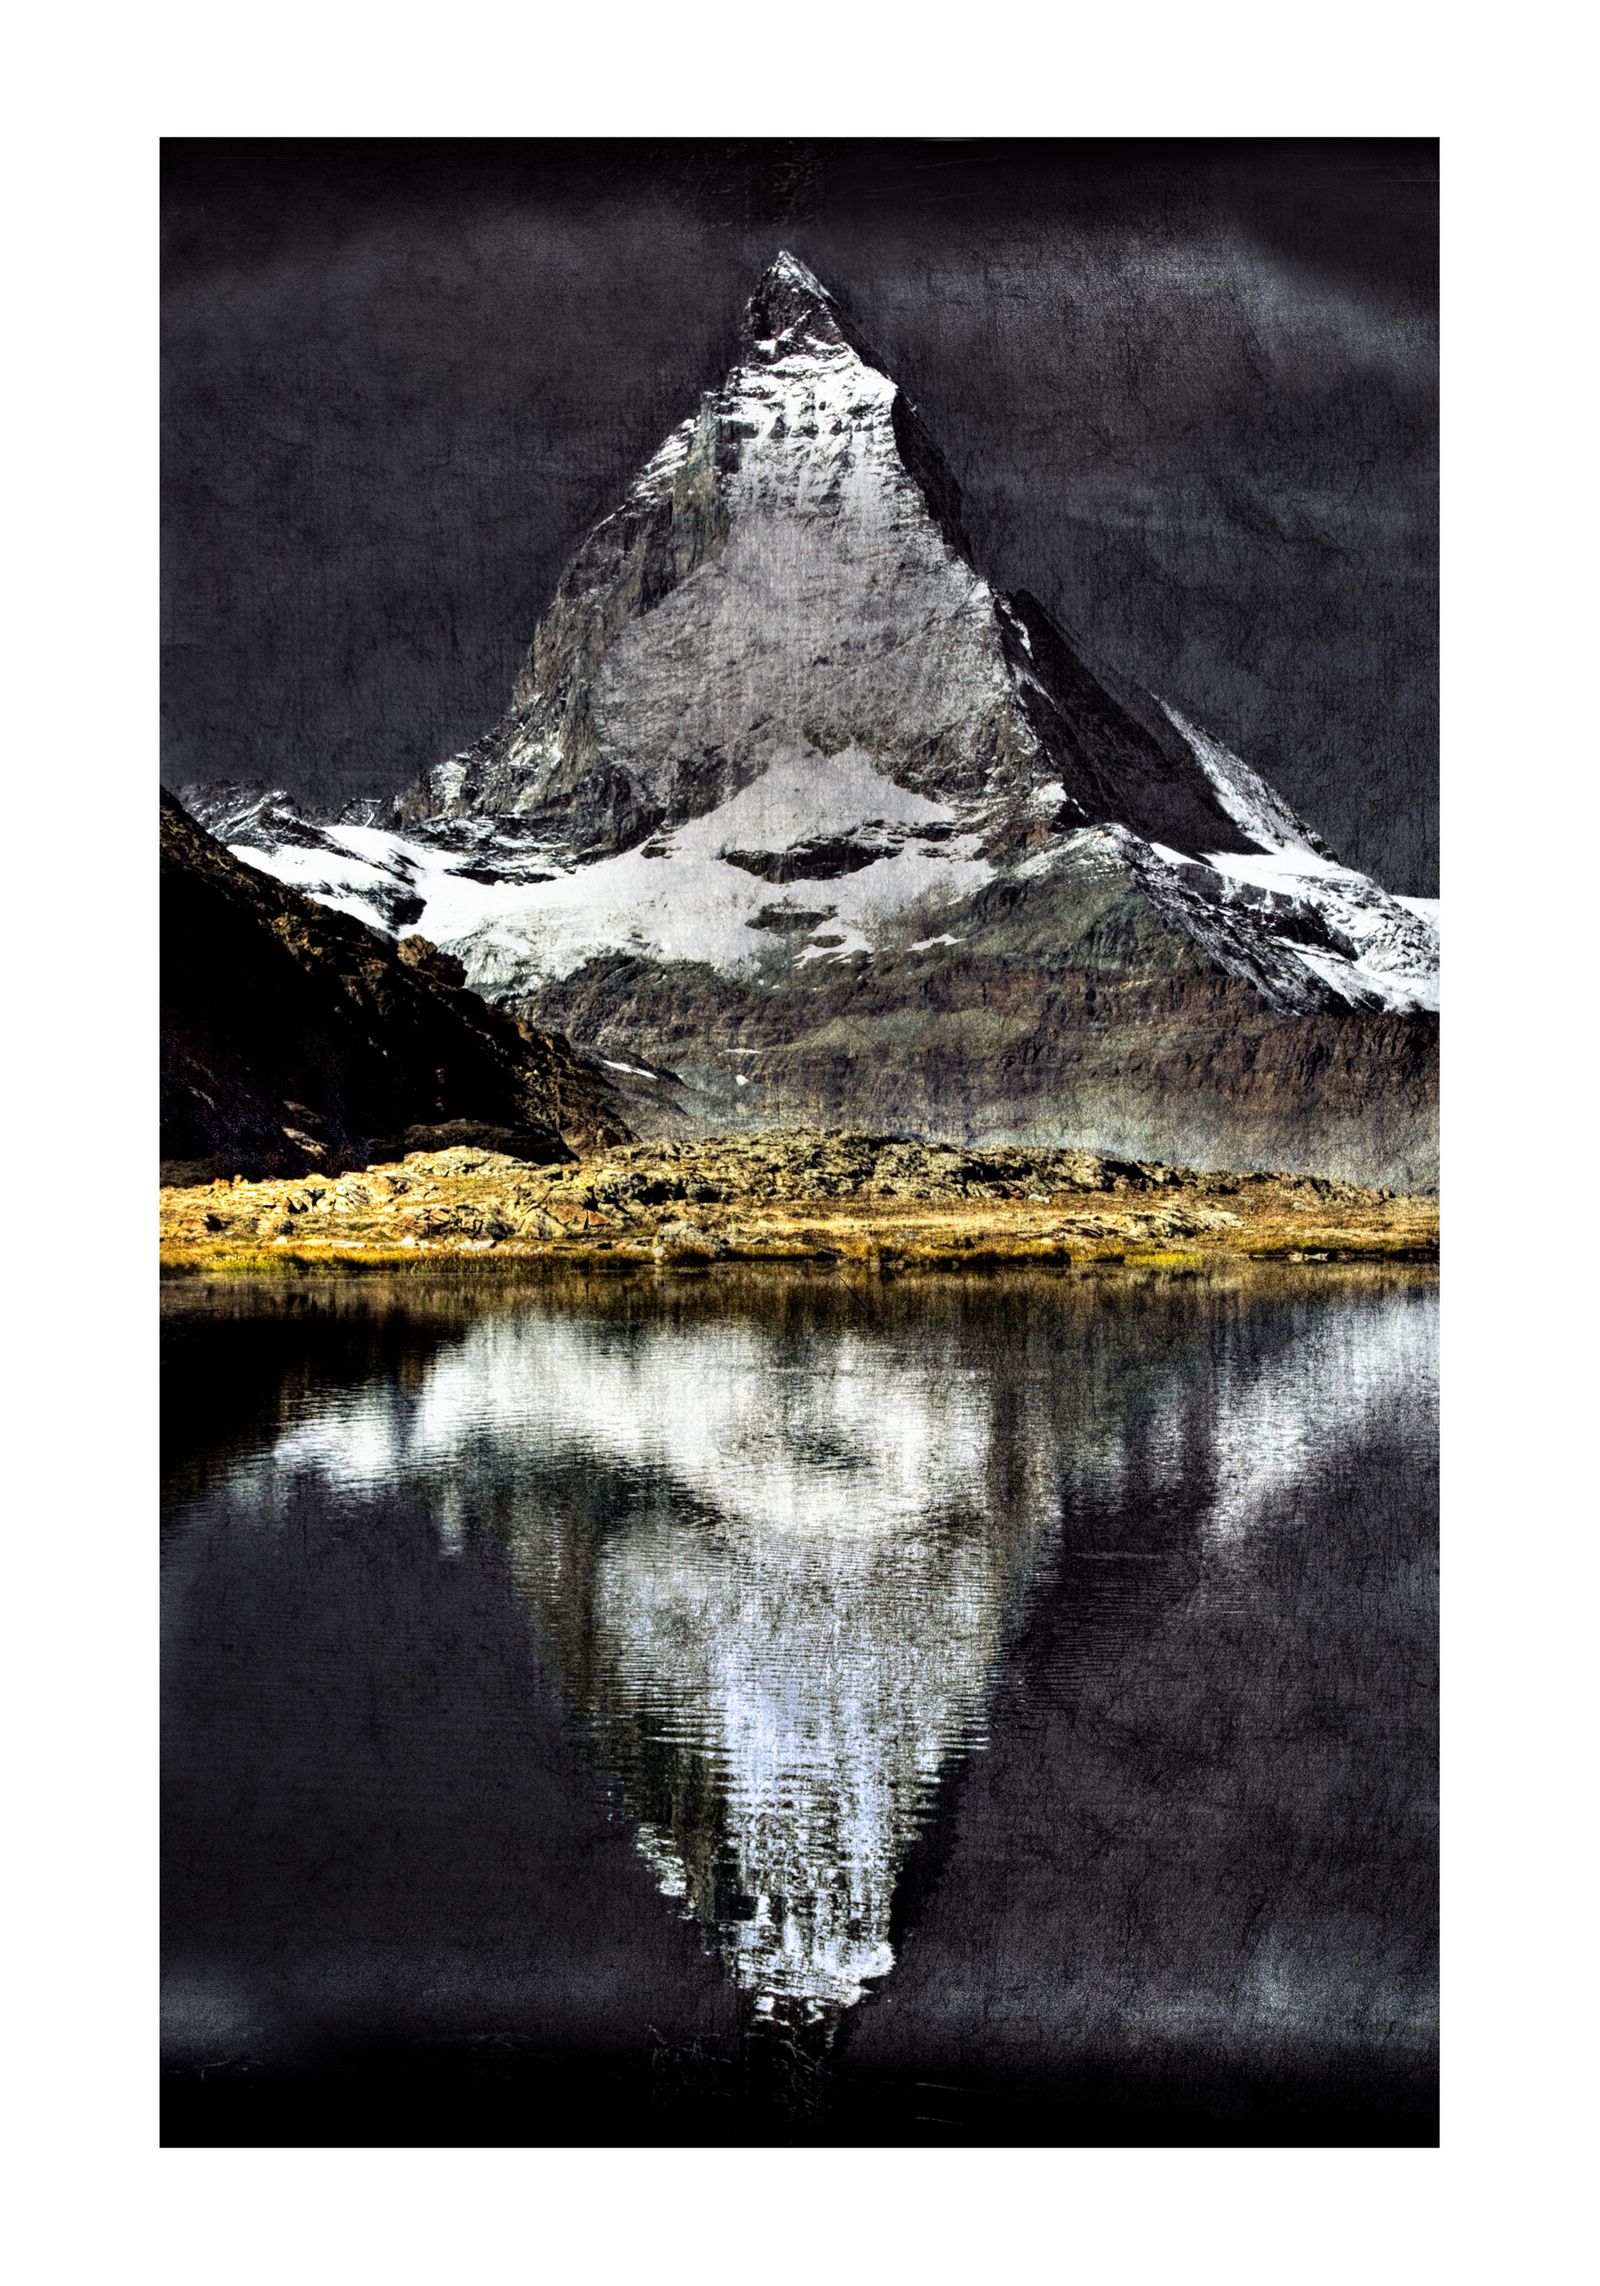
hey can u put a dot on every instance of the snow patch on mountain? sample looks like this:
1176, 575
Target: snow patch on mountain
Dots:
1381, 951
826, 858
1427, 909
1260, 813
1292, 923
677, 897
857, 862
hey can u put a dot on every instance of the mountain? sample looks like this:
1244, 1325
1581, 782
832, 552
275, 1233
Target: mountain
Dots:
794, 817
293, 1038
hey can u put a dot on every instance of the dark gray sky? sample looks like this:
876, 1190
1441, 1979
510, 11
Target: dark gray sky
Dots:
1189, 389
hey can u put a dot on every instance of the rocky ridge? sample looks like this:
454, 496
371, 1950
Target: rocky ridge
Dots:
295, 1038
885, 1202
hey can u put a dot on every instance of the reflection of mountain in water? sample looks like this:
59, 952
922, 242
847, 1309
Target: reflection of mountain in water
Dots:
773, 1574
780, 1548
822, 1680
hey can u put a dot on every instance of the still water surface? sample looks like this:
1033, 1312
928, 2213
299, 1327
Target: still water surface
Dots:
848, 1596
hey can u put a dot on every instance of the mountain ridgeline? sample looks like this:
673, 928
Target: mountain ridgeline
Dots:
795, 819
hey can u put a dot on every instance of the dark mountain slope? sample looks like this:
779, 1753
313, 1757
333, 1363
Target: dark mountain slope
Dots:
294, 1037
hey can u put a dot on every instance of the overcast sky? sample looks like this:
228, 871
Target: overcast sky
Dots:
1189, 390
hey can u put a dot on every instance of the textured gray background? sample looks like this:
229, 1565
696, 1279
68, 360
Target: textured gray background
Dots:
1190, 390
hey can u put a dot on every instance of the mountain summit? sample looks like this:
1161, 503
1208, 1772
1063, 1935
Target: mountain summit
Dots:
791, 304
789, 798
786, 586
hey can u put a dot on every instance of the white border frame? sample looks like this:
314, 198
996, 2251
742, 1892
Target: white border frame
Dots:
94, 90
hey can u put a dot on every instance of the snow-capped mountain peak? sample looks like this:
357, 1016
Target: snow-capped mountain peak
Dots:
776, 724
789, 307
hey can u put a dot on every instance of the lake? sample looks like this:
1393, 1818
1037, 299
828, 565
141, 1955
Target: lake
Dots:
789, 1707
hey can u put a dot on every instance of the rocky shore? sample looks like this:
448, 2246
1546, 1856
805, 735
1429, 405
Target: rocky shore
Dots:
880, 1203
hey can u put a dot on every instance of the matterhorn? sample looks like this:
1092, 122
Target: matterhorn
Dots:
795, 819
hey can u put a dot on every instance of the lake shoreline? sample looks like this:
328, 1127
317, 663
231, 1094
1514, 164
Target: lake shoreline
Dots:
882, 1205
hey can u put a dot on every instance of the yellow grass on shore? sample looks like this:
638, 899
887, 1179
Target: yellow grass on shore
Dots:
799, 1196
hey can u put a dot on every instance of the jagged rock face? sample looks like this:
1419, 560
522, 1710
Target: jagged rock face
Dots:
984, 1053
785, 779
292, 1037
787, 582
